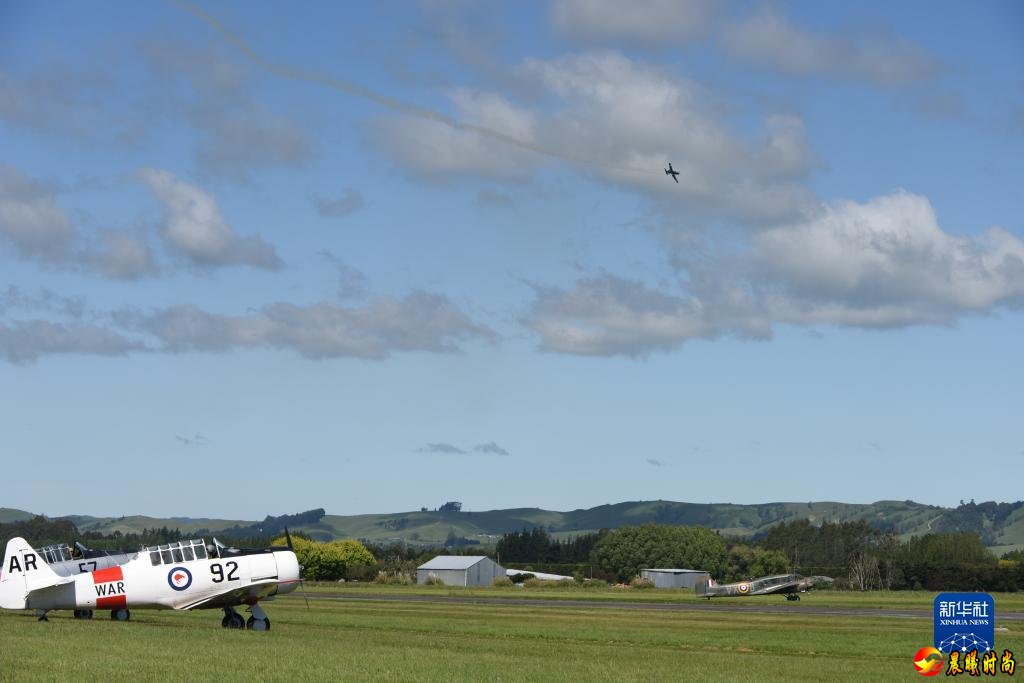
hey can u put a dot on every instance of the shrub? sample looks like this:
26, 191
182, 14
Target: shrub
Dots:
502, 581
641, 583
396, 579
434, 580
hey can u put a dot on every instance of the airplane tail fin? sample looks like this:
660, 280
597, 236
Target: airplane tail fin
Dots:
24, 570
701, 587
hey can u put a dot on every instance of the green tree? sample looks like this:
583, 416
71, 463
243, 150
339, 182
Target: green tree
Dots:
329, 561
627, 550
747, 562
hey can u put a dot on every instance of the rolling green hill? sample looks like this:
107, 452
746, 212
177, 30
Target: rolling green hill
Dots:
908, 518
1001, 526
8, 515
136, 523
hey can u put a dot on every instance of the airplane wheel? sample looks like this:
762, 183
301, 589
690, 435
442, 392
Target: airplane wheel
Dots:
120, 614
233, 620
83, 614
254, 624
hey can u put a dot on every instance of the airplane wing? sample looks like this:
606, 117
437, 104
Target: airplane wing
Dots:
235, 596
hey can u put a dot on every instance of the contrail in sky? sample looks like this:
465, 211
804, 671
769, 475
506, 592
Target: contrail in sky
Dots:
357, 90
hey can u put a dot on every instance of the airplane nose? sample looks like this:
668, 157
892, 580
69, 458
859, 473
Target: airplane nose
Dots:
287, 571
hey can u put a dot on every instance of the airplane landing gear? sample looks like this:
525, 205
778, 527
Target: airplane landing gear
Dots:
83, 614
232, 619
120, 614
792, 596
259, 620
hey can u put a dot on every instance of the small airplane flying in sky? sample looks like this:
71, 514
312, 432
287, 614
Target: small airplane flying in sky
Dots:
790, 585
180, 575
672, 172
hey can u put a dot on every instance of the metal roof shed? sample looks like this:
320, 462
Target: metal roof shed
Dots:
673, 578
460, 570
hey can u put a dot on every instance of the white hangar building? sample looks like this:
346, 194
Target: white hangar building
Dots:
673, 578
460, 570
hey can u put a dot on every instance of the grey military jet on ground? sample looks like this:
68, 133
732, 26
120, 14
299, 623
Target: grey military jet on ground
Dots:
790, 585
672, 172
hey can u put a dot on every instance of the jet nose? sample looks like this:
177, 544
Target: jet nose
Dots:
287, 571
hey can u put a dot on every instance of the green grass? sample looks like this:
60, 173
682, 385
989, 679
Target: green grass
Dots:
406, 641
910, 600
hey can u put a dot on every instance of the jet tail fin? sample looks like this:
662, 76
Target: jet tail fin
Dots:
24, 570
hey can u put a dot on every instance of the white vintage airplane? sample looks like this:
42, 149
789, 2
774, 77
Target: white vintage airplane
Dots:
180, 575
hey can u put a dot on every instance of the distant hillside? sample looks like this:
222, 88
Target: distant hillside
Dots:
136, 523
8, 515
738, 520
1001, 526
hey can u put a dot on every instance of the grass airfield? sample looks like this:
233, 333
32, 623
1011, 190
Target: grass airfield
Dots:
402, 641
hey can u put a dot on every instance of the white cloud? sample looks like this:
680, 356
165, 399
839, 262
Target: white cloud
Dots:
123, 256
39, 230
490, 448
26, 341
233, 143
442, 448
881, 264
30, 219
642, 22
420, 321
767, 38
236, 133
622, 121
887, 262
631, 119
195, 227
608, 315
433, 148
58, 100
349, 201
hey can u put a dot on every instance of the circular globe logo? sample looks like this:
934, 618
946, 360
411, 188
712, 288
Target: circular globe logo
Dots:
928, 661
179, 578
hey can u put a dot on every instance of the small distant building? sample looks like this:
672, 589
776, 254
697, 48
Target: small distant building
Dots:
460, 570
674, 578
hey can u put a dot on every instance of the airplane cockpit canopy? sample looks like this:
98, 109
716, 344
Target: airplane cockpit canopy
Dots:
60, 552
770, 581
179, 551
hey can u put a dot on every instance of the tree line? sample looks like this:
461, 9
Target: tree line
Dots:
859, 555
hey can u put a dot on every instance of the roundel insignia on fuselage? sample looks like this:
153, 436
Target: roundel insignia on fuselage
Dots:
179, 578
744, 588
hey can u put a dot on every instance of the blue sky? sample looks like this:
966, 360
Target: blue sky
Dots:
258, 259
